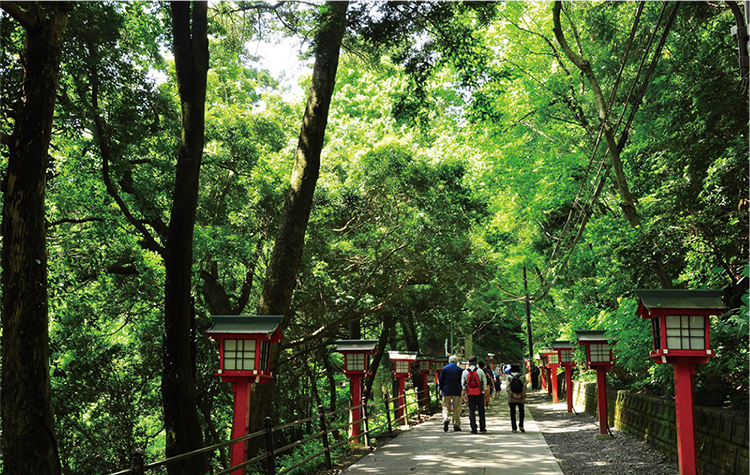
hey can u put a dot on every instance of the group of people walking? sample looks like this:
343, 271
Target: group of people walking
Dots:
474, 386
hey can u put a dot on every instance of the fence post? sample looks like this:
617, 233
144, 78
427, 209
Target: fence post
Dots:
388, 412
136, 461
326, 450
271, 467
419, 412
364, 421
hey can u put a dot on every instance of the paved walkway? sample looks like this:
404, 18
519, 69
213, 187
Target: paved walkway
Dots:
426, 450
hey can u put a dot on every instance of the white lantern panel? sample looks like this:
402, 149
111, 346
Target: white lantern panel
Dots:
553, 359
566, 356
239, 355
685, 332
402, 366
599, 352
355, 362
424, 365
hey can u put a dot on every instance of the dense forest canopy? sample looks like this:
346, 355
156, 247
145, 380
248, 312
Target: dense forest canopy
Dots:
444, 151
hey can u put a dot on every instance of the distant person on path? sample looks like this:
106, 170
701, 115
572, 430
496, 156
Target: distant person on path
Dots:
476, 393
490, 386
497, 379
534, 377
516, 388
450, 388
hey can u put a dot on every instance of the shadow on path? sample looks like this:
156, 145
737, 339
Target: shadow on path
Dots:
427, 450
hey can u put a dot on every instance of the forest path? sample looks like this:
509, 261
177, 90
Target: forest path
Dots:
426, 450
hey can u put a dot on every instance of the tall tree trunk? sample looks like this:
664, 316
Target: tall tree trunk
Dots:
28, 442
375, 363
281, 275
183, 429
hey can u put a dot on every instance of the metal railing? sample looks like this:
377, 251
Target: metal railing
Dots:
139, 467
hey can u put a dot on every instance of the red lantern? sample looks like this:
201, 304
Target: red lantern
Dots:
552, 359
402, 361
356, 355
440, 363
680, 331
565, 355
244, 347
598, 352
356, 366
598, 357
680, 323
426, 366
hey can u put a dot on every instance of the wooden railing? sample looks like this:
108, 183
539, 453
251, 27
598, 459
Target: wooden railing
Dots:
383, 420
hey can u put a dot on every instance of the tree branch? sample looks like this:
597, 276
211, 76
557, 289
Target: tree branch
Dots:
555, 53
628, 205
73, 221
21, 16
103, 142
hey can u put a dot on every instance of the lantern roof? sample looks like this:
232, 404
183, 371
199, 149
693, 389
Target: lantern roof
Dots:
247, 324
403, 355
562, 345
681, 299
366, 346
590, 336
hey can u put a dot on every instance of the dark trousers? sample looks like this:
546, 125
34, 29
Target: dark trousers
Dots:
513, 414
476, 403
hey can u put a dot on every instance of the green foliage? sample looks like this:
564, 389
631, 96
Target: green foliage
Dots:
457, 145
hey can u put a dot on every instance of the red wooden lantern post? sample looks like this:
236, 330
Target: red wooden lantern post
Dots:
543, 370
680, 329
356, 366
402, 361
553, 363
244, 345
565, 355
440, 363
598, 357
425, 364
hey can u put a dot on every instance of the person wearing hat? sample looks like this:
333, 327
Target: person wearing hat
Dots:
475, 391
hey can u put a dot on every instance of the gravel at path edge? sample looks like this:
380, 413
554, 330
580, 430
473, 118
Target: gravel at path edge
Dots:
572, 439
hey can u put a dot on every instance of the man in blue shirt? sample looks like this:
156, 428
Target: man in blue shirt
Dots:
450, 388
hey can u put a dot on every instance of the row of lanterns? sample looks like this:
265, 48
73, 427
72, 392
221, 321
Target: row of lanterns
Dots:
244, 350
681, 337
680, 330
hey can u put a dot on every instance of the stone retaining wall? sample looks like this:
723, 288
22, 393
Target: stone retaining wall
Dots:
722, 435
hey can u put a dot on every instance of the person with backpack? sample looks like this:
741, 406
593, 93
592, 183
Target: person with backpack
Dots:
516, 388
450, 388
476, 393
